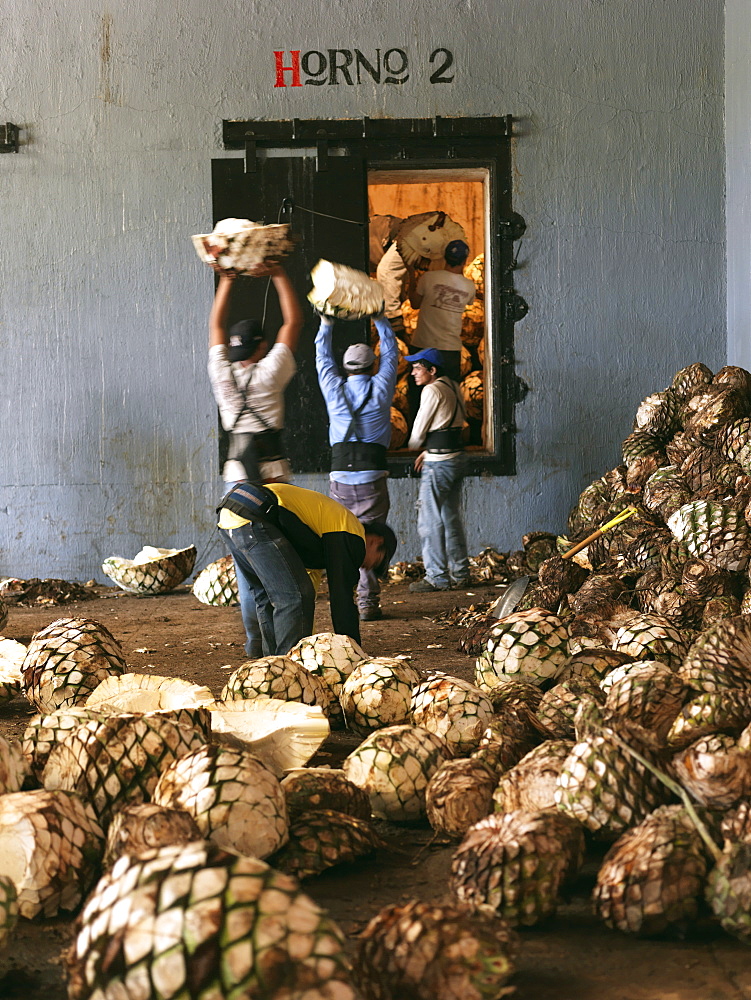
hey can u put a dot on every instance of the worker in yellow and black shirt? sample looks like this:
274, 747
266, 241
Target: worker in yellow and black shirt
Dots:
276, 533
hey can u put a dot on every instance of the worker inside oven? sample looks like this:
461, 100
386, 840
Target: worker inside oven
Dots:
248, 381
437, 430
441, 296
390, 270
359, 409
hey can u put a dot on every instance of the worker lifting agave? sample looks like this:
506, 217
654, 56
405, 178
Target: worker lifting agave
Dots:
241, 245
344, 292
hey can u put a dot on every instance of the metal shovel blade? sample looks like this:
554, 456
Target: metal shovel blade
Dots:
509, 599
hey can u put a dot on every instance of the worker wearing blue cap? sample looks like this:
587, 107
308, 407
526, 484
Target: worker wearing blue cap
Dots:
438, 431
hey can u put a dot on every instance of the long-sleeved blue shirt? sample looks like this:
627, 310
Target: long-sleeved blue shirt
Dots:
374, 422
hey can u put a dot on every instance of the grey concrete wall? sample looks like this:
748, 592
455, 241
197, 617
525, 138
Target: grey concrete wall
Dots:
738, 157
108, 427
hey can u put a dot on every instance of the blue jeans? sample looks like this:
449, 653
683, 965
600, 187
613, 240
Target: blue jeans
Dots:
277, 599
439, 522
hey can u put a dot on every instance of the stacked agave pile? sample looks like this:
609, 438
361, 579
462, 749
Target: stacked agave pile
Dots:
614, 704
687, 471
639, 654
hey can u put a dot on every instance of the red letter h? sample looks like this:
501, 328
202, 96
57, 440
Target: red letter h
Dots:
294, 69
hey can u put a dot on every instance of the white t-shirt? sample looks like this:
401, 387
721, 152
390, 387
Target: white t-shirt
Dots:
229, 382
444, 297
441, 406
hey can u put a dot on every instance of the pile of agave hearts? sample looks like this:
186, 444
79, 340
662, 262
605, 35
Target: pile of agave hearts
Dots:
614, 705
163, 817
626, 675
157, 784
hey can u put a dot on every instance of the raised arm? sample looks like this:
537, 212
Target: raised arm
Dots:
289, 331
329, 378
220, 309
387, 368
229, 397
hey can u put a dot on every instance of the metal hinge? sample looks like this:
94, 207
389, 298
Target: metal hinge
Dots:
512, 227
250, 162
9, 138
514, 307
322, 151
519, 389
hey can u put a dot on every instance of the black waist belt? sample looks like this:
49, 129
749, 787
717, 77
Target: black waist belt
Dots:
250, 501
357, 456
449, 439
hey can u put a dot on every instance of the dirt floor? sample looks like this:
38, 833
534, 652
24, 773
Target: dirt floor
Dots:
573, 957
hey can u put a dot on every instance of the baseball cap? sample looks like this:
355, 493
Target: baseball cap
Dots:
244, 338
456, 252
430, 356
358, 358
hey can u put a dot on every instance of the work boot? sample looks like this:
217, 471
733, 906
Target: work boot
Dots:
424, 587
370, 614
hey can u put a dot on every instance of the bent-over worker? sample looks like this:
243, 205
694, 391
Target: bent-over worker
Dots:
277, 532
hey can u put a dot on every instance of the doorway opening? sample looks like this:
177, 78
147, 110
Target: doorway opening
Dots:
330, 177
463, 195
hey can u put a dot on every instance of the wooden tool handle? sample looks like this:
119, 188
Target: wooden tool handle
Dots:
582, 544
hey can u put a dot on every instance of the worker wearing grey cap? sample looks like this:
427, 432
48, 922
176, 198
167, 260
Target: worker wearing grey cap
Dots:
359, 408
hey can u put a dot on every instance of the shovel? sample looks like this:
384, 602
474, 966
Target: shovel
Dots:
618, 519
509, 599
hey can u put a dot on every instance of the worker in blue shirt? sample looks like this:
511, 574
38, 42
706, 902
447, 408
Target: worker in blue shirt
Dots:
359, 408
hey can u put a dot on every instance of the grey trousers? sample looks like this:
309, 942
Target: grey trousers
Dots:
368, 502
